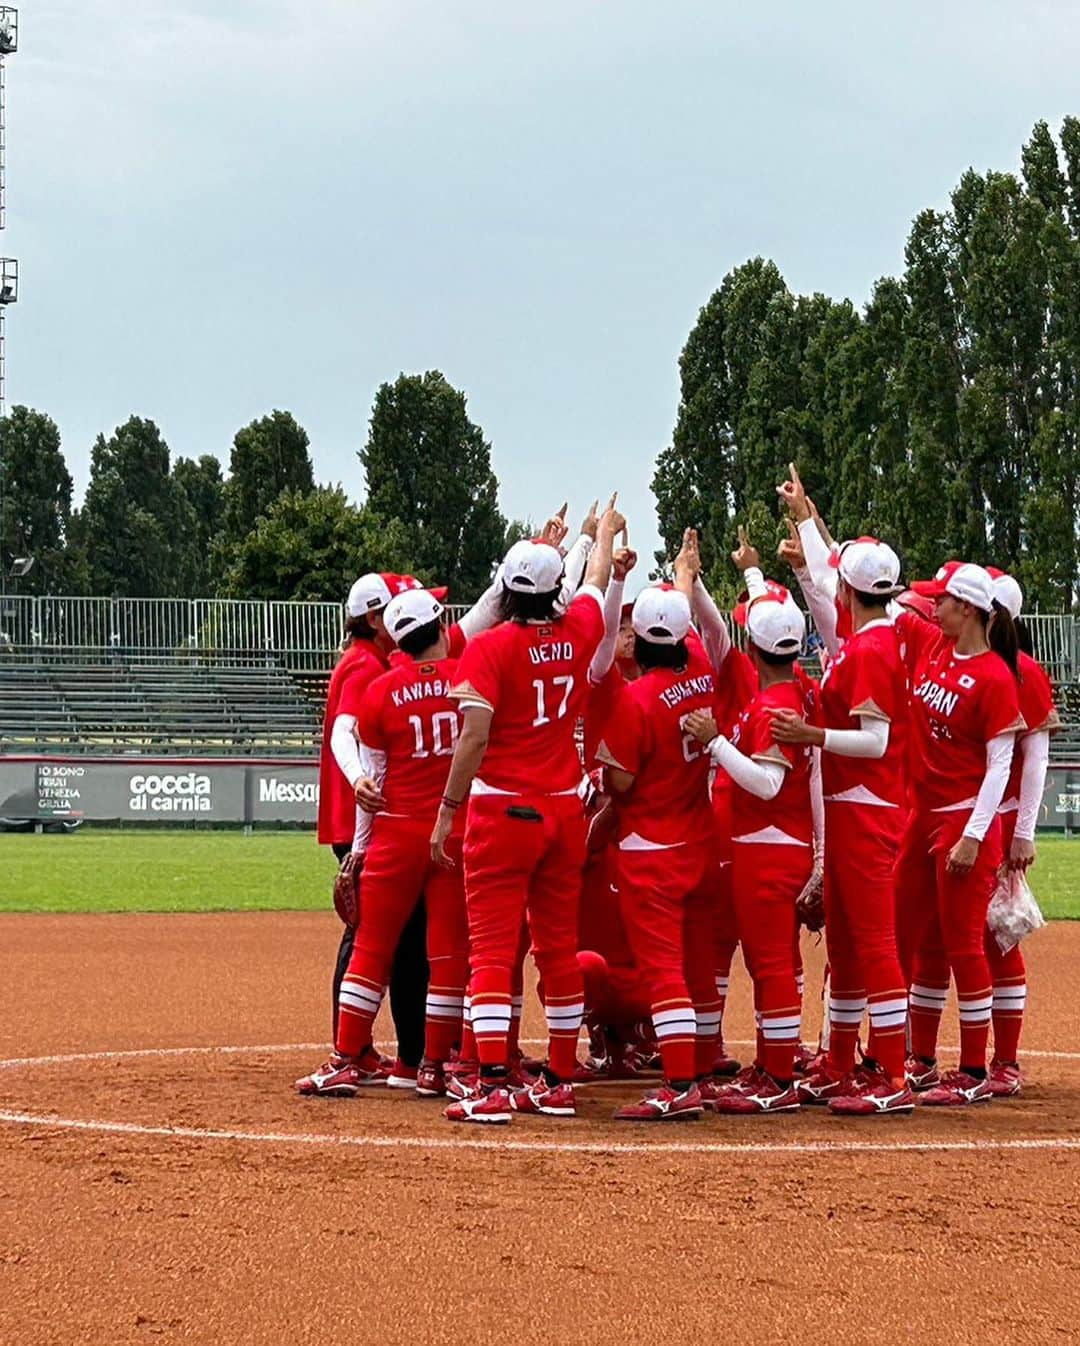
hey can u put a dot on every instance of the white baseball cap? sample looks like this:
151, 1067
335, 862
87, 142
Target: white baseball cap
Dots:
868, 566
370, 593
776, 626
413, 608
1007, 591
661, 616
962, 580
532, 568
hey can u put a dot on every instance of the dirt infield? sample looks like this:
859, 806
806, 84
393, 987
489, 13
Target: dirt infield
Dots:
184, 1195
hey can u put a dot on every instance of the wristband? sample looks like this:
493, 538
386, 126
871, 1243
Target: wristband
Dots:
450, 803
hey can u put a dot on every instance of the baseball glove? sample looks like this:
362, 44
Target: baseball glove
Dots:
347, 888
810, 904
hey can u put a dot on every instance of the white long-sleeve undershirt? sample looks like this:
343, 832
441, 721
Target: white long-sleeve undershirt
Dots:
817, 807
605, 651
715, 635
577, 558
1035, 750
999, 753
820, 592
871, 739
344, 747
762, 779
373, 765
484, 613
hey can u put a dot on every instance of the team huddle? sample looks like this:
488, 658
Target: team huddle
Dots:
630, 794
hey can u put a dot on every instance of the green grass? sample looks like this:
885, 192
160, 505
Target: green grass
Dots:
101, 870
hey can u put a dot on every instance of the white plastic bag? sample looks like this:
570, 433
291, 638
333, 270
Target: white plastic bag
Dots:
1013, 911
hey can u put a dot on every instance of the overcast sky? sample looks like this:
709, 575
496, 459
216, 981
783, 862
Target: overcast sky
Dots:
222, 208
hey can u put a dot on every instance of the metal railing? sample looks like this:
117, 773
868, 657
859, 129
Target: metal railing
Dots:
300, 635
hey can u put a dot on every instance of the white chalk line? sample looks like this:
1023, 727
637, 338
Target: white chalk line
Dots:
498, 1144
495, 1144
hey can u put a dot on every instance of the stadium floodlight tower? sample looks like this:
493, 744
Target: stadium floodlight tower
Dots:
9, 293
9, 44
9, 268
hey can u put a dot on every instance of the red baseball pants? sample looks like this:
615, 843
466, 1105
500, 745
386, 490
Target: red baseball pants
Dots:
523, 858
860, 935
941, 925
767, 879
398, 872
666, 899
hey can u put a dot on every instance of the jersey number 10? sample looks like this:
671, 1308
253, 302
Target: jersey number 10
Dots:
444, 734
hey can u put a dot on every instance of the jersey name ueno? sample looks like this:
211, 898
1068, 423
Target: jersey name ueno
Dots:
558, 652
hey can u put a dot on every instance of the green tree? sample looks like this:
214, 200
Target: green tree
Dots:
313, 545
203, 488
269, 456
428, 467
35, 497
135, 520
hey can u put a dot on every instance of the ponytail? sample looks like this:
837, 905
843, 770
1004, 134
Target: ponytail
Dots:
1001, 634
1023, 637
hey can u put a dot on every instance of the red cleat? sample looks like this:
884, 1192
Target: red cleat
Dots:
492, 1107
430, 1079
822, 1085
401, 1076
807, 1060
957, 1089
921, 1076
726, 1067
764, 1095
343, 1076
1005, 1079
664, 1105
873, 1095
541, 1099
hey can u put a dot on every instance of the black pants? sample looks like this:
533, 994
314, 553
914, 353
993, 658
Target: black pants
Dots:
408, 978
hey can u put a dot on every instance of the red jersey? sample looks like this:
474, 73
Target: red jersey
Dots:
358, 666
867, 677
958, 704
603, 697
408, 715
788, 816
1037, 711
736, 686
668, 804
535, 678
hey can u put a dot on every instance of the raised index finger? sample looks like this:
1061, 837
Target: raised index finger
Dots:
795, 475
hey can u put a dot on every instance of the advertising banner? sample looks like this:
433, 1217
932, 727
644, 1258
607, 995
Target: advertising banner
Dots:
162, 790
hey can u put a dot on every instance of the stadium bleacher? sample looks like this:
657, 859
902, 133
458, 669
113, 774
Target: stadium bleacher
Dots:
209, 677
69, 704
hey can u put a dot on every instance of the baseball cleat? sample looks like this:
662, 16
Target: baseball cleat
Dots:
430, 1079
762, 1095
1005, 1079
664, 1105
957, 1088
725, 1067
873, 1094
822, 1085
712, 1089
542, 1099
807, 1060
921, 1075
401, 1076
490, 1106
343, 1076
